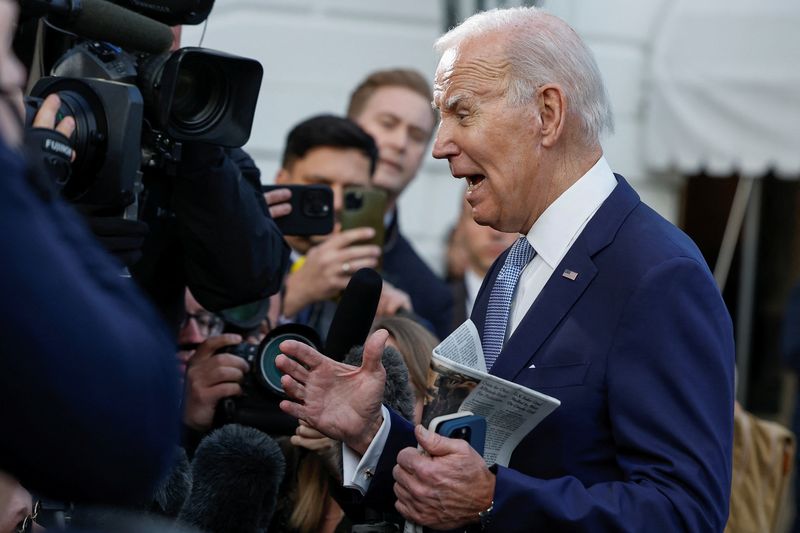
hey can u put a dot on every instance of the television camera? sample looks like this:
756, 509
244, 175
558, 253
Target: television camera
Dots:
133, 100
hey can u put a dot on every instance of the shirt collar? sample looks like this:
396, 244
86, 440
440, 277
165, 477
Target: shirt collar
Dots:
472, 282
561, 223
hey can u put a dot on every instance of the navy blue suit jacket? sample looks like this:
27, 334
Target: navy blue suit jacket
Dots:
639, 349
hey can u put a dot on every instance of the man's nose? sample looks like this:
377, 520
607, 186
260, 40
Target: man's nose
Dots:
398, 138
190, 333
444, 145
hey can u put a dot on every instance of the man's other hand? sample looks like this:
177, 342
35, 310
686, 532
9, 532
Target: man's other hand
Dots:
392, 300
444, 488
339, 400
278, 202
46, 118
209, 378
328, 268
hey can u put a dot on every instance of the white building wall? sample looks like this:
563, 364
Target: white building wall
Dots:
314, 52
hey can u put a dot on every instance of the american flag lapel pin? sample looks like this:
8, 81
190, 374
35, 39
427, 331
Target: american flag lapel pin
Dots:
569, 274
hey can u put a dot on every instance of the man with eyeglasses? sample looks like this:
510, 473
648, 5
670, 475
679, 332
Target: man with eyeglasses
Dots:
208, 377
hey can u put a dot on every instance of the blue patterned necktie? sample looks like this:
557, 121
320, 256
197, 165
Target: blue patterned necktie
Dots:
494, 330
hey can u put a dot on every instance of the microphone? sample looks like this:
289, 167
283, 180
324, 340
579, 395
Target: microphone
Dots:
237, 472
103, 21
354, 314
171, 12
397, 393
170, 495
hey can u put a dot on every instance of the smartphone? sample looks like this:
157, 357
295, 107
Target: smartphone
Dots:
462, 425
312, 210
364, 207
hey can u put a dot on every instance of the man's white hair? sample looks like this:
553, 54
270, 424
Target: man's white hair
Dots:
543, 49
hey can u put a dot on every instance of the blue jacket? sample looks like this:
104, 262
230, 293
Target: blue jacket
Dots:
89, 394
639, 349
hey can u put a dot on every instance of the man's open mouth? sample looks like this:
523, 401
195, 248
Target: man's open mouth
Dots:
474, 181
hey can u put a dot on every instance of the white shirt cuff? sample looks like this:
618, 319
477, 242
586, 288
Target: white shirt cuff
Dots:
358, 471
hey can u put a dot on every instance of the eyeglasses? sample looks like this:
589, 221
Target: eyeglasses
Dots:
26, 526
208, 323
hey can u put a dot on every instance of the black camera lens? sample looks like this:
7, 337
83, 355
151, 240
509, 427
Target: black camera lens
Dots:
268, 374
81, 102
353, 200
315, 204
200, 96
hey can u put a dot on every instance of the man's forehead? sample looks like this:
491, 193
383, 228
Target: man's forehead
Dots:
470, 70
476, 76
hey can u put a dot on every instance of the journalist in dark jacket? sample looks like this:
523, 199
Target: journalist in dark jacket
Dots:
209, 230
89, 393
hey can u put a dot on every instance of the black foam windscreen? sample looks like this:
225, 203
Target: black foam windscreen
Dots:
354, 314
236, 472
171, 493
397, 393
103, 21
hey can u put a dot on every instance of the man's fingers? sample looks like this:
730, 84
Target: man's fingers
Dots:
293, 389
223, 390
436, 445
302, 353
373, 351
279, 210
224, 374
209, 346
350, 236
66, 127
291, 368
406, 504
277, 196
348, 268
226, 359
304, 430
408, 460
292, 408
312, 444
46, 116
359, 251
278, 202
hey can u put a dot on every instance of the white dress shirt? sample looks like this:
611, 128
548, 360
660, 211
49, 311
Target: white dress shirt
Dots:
472, 284
551, 237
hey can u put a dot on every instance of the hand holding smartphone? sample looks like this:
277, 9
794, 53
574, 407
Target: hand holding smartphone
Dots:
462, 425
311, 210
364, 207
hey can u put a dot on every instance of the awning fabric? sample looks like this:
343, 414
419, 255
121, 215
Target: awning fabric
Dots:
724, 88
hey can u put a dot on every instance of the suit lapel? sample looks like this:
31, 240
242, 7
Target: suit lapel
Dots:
560, 292
557, 297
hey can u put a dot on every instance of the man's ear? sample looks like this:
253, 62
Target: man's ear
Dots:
552, 112
283, 177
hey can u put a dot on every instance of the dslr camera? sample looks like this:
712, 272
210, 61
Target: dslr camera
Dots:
257, 406
133, 110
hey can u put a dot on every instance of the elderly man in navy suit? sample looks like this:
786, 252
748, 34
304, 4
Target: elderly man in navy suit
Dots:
600, 303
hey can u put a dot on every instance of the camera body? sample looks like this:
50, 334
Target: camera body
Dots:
133, 111
257, 406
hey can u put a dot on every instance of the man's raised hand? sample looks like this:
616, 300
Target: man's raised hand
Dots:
339, 400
